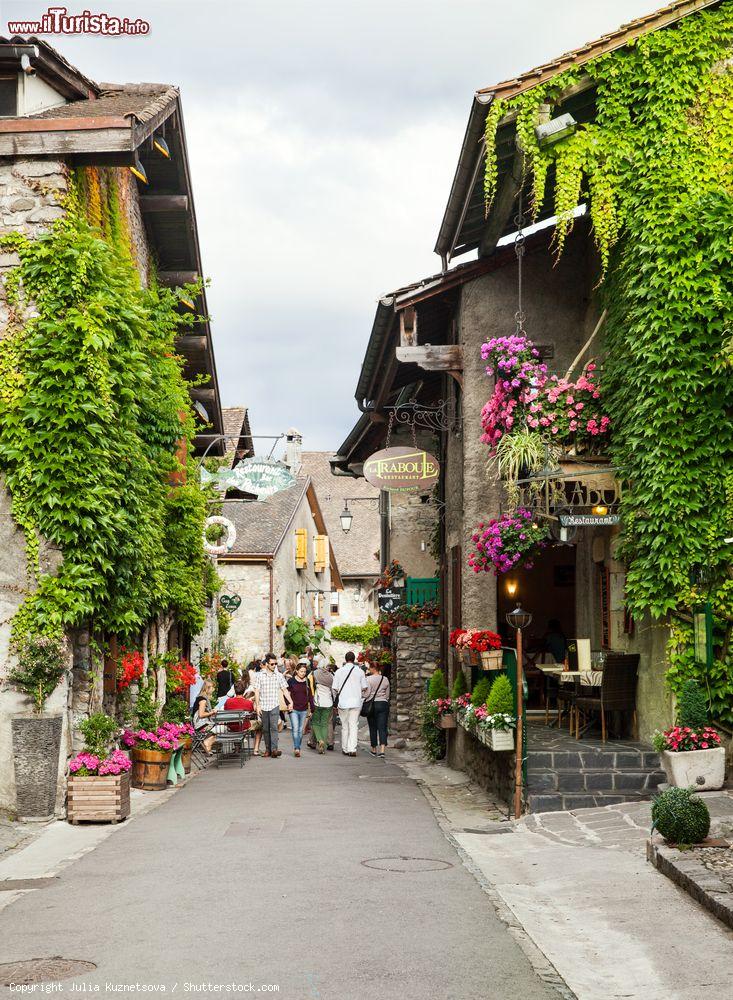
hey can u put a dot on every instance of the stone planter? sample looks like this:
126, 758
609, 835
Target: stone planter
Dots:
36, 748
98, 798
502, 739
491, 659
448, 721
704, 770
149, 769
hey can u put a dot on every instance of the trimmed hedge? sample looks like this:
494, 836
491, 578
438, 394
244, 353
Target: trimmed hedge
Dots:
356, 634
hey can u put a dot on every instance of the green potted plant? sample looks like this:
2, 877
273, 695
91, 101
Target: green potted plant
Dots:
690, 751
98, 786
438, 695
41, 664
500, 719
680, 816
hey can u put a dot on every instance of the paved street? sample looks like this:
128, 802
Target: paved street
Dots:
258, 876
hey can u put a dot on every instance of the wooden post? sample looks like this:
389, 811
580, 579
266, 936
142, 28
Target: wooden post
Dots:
520, 730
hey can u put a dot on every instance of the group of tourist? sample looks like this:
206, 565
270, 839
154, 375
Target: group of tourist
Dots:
309, 693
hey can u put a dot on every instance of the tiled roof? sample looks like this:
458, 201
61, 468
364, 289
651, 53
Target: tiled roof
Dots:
261, 525
42, 44
234, 418
600, 46
141, 101
355, 552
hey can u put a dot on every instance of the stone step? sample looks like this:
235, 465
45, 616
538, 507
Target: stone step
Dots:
592, 780
593, 760
567, 801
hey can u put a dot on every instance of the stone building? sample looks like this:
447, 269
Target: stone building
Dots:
58, 125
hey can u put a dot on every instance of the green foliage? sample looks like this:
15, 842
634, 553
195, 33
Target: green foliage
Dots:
93, 410
224, 620
481, 692
680, 816
692, 707
432, 737
298, 635
493, 117
460, 685
716, 683
146, 708
501, 696
40, 668
99, 732
354, 634
175, 710
437, 688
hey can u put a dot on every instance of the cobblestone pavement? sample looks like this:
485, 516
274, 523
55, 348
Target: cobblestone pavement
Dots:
624, 827
718, 861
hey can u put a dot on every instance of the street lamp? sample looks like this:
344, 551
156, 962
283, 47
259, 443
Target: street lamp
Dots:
346, 517
519, 619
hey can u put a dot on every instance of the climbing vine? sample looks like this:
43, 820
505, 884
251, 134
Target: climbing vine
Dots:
656, 167
95, 420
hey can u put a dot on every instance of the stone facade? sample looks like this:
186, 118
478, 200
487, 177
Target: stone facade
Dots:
412, 519
492, 771
416, 654
249, 632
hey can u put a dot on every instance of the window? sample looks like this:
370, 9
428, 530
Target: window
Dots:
334, 602
8, 96
299, 605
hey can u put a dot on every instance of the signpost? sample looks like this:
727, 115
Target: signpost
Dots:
401, 470
262, 477
390, 598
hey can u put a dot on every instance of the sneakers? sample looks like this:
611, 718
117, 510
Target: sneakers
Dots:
276, 753
321, 746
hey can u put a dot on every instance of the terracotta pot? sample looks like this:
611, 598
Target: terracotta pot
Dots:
473, 657
186, 744
704, 770
149, 769
448, 721
98, 798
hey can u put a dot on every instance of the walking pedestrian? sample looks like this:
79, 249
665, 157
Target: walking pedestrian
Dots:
321, 681
269, 683
302, 699
224, 682
349, 685
376, 703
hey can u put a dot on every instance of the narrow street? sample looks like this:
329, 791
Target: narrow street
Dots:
258, 875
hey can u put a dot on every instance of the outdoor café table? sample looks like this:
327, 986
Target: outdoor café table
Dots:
586, 678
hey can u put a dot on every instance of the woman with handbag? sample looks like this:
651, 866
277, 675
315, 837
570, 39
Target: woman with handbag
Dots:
376, 708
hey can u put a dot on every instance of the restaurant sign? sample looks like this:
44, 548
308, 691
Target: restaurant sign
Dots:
261, 477
400, 470
587, 520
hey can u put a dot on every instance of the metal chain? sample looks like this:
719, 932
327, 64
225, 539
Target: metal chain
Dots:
519, 241
389, 428
413, 423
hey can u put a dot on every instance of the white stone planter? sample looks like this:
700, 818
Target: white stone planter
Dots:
502, 739
704, 770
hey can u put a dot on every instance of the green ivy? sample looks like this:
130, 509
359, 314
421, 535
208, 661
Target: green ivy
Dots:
93, 410
657, 167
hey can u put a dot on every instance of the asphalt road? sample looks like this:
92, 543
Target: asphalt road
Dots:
257, 876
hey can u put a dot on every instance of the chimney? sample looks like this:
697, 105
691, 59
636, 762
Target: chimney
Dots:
294, 450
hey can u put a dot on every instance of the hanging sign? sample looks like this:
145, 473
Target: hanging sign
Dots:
400, 470
587, 520
390, 598
225, 538
262, 477
230, 602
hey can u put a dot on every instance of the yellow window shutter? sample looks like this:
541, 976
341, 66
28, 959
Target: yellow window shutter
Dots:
301, 548
321, 553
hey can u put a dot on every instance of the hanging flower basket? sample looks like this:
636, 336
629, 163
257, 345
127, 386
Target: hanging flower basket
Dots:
447, 721
491, 659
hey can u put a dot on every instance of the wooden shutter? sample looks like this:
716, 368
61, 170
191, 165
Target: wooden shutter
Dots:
321, 560
301, 548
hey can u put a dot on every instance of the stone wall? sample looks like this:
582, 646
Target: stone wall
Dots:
411, 520
416, 653
249, 633
492, 771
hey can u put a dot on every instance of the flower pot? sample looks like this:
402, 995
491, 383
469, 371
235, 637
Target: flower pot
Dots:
704, 770
491, 660
448, 721
149, 769
36, 748
186, 744
101, 798
473, 658
502, 739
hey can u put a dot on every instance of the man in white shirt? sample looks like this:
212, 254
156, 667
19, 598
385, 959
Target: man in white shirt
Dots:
350, 683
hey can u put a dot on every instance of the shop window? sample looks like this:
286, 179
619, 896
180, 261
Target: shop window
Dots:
334, 602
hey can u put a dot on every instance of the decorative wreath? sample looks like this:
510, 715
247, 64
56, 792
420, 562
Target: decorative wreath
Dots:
226, 544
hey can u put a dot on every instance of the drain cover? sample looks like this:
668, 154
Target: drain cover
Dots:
405, 864
42, 970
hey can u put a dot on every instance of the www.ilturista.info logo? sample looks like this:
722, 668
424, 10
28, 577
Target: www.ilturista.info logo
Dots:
58, 21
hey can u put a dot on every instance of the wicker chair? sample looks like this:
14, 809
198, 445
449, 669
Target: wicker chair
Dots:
618, 691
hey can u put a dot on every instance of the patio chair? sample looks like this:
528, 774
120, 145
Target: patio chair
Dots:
618, 691
566, 697
198, 753
232, 738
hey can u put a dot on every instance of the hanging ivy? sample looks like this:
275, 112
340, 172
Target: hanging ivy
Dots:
92, 411
491, 170
657, 166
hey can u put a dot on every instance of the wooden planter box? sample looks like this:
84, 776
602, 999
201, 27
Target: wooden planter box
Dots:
491, 659
448, 721
186, 755
149, 769
98, 798
502, 739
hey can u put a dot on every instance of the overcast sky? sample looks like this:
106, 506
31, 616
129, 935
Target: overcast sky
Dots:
323, 137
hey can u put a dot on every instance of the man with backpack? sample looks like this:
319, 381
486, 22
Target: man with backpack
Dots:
349, 686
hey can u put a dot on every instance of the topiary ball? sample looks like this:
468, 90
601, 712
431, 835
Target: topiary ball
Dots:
680, 816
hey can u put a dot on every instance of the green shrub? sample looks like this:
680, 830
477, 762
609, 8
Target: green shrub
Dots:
680, 816
481, 692
432, 737
146, 708
437, 687
356, 634
692, 706
99, 731
175, 710
41, 665
501, 696
460, 685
